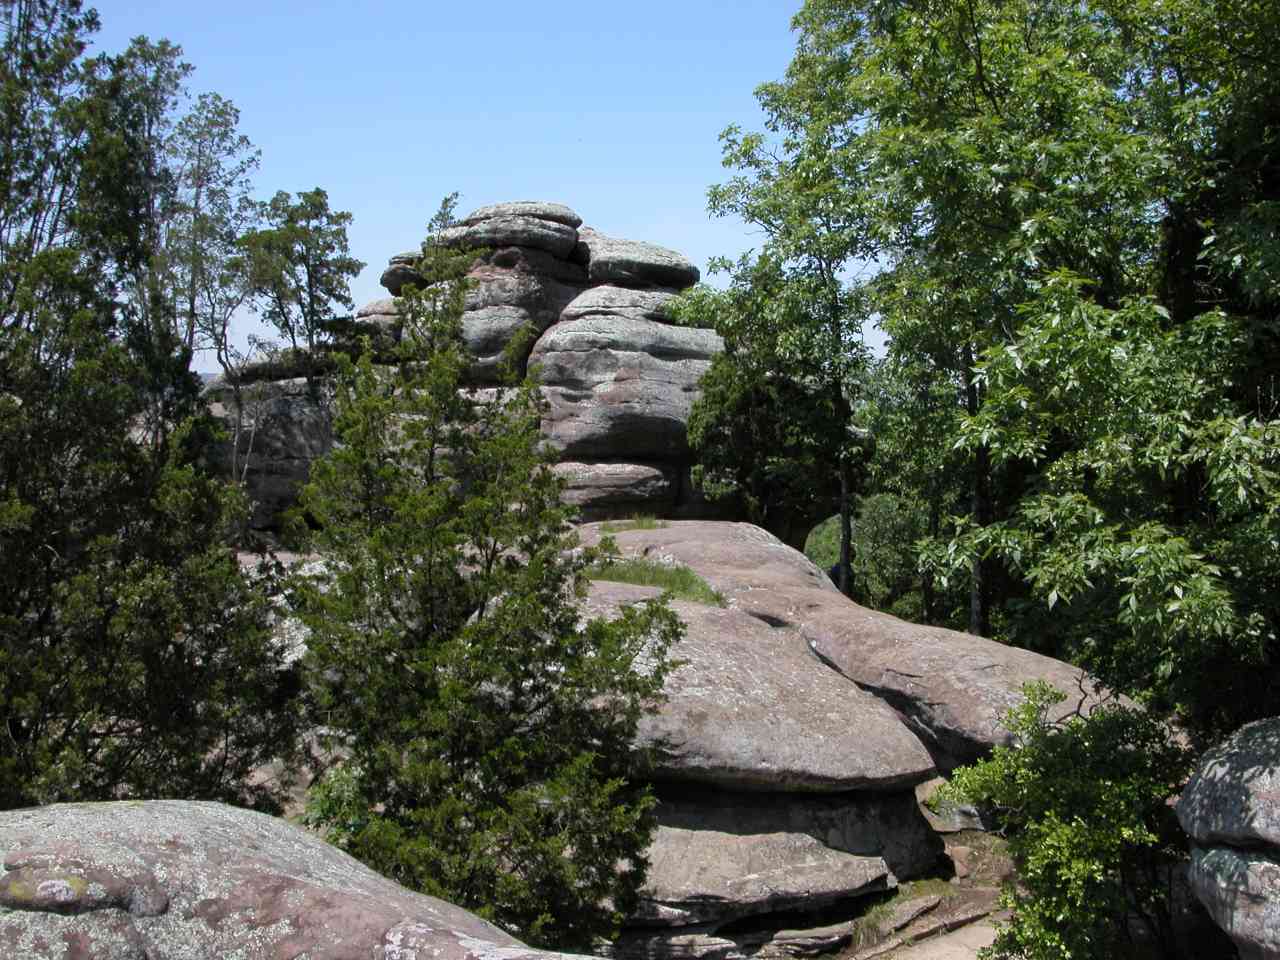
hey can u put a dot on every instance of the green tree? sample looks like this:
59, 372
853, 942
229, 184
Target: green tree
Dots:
209, 214
487, 726
763, 430
135, 659
1073, 208
1095, 842
300, 266
794, 357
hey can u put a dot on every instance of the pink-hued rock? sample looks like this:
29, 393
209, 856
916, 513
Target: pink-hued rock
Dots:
952, 688
182, 880
749, 708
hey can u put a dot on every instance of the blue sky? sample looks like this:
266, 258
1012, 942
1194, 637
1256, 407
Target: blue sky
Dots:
612, 108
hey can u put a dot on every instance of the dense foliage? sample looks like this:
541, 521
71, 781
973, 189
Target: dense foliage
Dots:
1069, 214
135, 659
486, 726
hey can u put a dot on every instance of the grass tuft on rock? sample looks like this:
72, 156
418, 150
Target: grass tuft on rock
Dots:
676, 579
639, 522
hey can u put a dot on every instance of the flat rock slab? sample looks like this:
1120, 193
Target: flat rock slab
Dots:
627, 303
703, 876
557, 239
182, 880
953, 688
538, 209
884, 825
751, 709
634, 263
617, 488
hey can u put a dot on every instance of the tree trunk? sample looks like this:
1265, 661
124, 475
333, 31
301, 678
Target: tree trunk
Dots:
846, 531
980, 587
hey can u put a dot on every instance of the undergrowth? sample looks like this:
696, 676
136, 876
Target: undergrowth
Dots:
676, 579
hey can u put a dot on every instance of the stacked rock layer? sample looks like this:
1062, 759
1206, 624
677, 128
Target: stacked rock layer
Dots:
790, 746
588, 315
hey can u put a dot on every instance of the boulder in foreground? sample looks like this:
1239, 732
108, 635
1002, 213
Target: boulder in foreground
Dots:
182, 880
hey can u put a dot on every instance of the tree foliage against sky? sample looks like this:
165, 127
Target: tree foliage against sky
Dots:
1071, 215
135, 659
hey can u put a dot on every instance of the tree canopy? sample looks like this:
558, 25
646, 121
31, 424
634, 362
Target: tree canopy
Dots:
1068, 215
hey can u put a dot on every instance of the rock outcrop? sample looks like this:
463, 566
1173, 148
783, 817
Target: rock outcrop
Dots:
180, 880
952, 689
1231, 810
589, 313
779, 771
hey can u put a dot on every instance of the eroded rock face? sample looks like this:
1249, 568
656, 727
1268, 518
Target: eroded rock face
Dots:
751, 709
285, 425
635, 264
621, 388
591, 310
180, 880
1231, 810
706, 876
953, 689
784, 788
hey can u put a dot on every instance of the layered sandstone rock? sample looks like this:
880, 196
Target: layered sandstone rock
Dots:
181, 880
1231, 810
589, 315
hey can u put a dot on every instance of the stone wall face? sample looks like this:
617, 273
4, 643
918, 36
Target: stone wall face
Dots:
618, 377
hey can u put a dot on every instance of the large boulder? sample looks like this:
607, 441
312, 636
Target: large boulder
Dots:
538, 209
887, 825
620, 389
708, 876
557, 239
1231, 810
623, 302
633, 263
181, 880
749, 708
953, 689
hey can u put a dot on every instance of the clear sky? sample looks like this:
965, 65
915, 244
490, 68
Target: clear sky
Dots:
614, 108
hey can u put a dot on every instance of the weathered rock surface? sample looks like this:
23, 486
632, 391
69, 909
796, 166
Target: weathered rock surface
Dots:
620, 389
751, 709
613, 488
705, 876
1231, 810
634, 263
538, 209
558, 239
622, 302
285, 425
179, 880
886, 825
953, 688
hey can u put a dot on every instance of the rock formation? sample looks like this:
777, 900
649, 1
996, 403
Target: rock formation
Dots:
1231, 810
786, 759
618, 377
180, 880
792, 743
